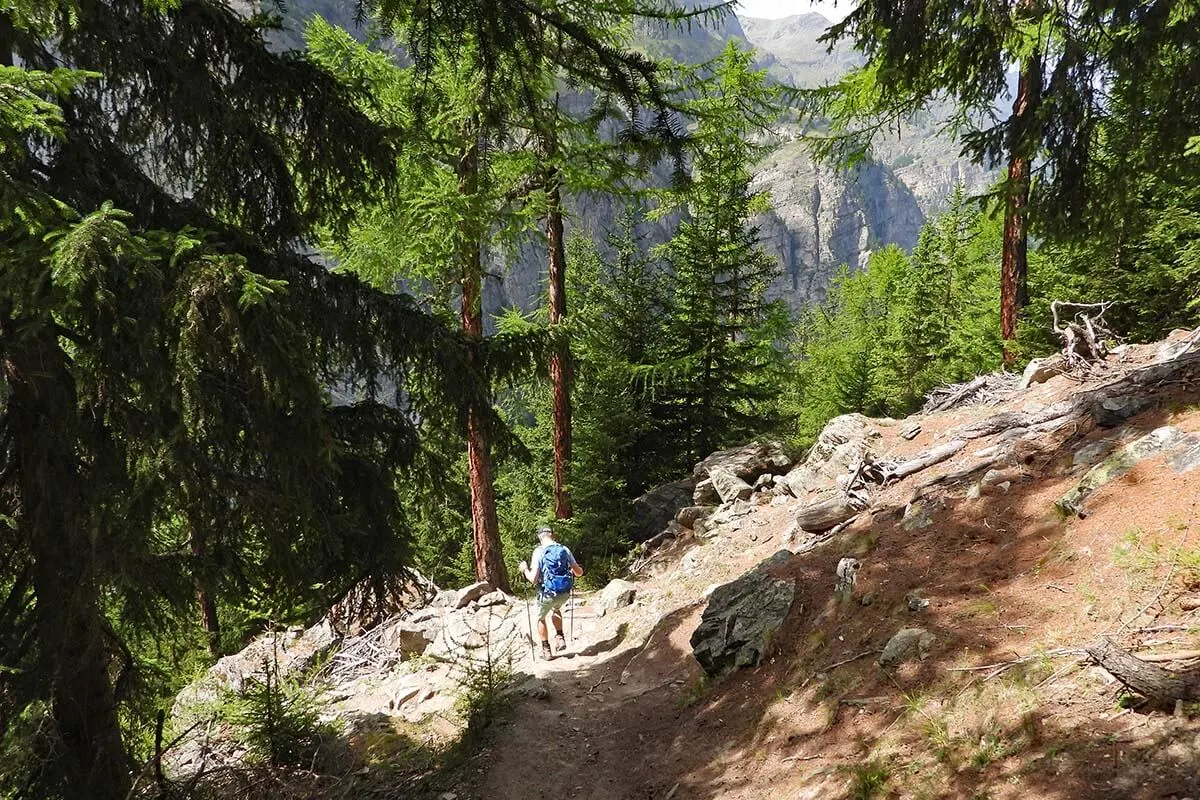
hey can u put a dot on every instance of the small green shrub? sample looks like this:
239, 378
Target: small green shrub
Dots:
277, 720
868, 780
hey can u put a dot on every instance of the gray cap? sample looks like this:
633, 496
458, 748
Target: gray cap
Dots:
545, 529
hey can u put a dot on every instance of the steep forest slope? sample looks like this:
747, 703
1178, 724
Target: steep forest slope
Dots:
914, 609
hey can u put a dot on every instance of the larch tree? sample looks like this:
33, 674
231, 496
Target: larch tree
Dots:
1067, 57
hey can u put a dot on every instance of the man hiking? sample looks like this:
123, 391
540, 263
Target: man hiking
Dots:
553, 570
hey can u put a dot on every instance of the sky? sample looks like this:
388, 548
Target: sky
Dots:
773, 9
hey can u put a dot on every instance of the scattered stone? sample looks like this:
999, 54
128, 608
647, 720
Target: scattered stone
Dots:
906, 645
781, 499
764, 481
910, 431
916, 602
916, 516
847, 575
741, 619
1190, 602
447, 598
657, 507
471, 593
729, 487
867, 599
617, 594
688, 516
975, 492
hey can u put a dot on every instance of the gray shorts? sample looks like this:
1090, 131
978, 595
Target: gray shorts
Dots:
546, 605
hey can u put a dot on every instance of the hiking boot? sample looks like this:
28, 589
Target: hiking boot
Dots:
547, 654
560, 643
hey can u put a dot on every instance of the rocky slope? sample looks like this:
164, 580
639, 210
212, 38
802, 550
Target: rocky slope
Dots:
918, 608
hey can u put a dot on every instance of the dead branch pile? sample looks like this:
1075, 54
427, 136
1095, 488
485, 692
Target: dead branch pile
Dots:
984, 390
366, 653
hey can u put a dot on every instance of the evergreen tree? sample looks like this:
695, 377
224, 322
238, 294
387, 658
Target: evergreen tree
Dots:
921, 52
167, 424
719, 338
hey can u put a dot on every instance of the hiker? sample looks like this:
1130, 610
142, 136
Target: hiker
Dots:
553, 570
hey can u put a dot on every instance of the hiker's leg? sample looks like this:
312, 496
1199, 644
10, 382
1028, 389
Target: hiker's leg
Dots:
542, 634
556, 619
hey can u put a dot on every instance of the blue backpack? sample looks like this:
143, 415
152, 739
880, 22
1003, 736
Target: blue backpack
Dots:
555, 567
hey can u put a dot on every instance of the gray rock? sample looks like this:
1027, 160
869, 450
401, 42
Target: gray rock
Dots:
915, 602
764, 481
917, 515
843, 444
1110, 412
1187, 456
910, 431
746, 462
1118, 464
1040, 370
847, 575
408, 638
690, 515
446, 598
471, 593
617, 594
705, 493
742, 618
1092, 453
729, 487
654, 509
496, 598
906, 645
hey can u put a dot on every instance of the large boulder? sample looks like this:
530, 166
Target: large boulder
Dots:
747, 462
654, 509
730, 487
617, 594
842, 445
471, 593
742, 618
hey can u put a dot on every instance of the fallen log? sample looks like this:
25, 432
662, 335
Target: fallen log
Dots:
822, 516
1156, 683
887, 471
957, 396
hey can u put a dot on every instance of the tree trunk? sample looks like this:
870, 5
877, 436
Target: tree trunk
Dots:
1014, 272
560, 358
73, 657
205, 598
489, 556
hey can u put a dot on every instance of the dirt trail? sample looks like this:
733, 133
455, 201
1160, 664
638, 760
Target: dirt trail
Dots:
1004, 707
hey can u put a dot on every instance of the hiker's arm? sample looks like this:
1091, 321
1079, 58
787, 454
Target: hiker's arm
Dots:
530, 570
576, 570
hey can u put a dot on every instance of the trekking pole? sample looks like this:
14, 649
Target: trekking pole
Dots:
529, 622
572, 614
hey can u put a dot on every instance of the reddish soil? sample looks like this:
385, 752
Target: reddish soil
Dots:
1007, 578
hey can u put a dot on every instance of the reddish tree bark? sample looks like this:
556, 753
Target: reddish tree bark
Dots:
205, 599
489, 554
560, 358
1014, 270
